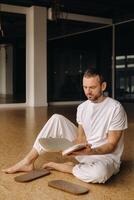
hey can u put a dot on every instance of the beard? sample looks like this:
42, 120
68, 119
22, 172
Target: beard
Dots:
94, 98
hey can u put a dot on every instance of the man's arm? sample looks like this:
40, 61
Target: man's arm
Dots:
110, 146
112, 141
81, 138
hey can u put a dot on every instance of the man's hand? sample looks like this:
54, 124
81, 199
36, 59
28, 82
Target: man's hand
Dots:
85, 151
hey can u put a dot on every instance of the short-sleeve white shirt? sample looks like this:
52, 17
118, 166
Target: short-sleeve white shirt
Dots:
97, 119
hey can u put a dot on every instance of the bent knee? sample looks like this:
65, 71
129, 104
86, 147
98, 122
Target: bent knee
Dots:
100, 175
92, 175
57, 116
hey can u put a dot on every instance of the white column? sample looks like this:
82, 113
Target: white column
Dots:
2, 70
36, 56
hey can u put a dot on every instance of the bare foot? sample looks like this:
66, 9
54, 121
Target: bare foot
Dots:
62, 167
22, 166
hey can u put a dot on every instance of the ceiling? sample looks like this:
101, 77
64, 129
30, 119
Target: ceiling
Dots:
115, 9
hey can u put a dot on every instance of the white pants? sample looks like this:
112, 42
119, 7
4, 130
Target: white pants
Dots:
93, 168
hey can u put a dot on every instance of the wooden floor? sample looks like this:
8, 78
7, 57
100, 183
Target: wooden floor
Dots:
18, 130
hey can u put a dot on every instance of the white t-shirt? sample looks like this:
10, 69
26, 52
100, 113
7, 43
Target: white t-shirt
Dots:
97, 119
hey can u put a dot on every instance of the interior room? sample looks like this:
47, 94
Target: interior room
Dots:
45, 48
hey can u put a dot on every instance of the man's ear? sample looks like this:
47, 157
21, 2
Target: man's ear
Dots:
104, 85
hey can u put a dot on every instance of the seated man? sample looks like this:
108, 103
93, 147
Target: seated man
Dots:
101, 124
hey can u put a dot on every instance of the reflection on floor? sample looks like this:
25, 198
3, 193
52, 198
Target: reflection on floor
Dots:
18, 130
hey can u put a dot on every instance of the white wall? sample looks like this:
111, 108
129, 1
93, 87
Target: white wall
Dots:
36, 54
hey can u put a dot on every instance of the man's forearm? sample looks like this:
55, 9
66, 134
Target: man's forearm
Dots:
104, 149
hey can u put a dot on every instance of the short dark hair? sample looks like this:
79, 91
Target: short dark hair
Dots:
92, 72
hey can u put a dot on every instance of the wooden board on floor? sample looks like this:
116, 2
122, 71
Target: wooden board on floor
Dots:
68, 187
32, 175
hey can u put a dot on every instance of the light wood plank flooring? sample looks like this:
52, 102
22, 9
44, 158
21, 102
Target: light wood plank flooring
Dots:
18, 130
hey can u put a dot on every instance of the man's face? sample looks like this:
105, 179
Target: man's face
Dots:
93, 88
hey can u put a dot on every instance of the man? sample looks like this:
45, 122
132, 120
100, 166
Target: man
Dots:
101, 124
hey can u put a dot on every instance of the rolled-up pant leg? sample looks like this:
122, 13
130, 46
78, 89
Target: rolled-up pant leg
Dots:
56, 126
95, 170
